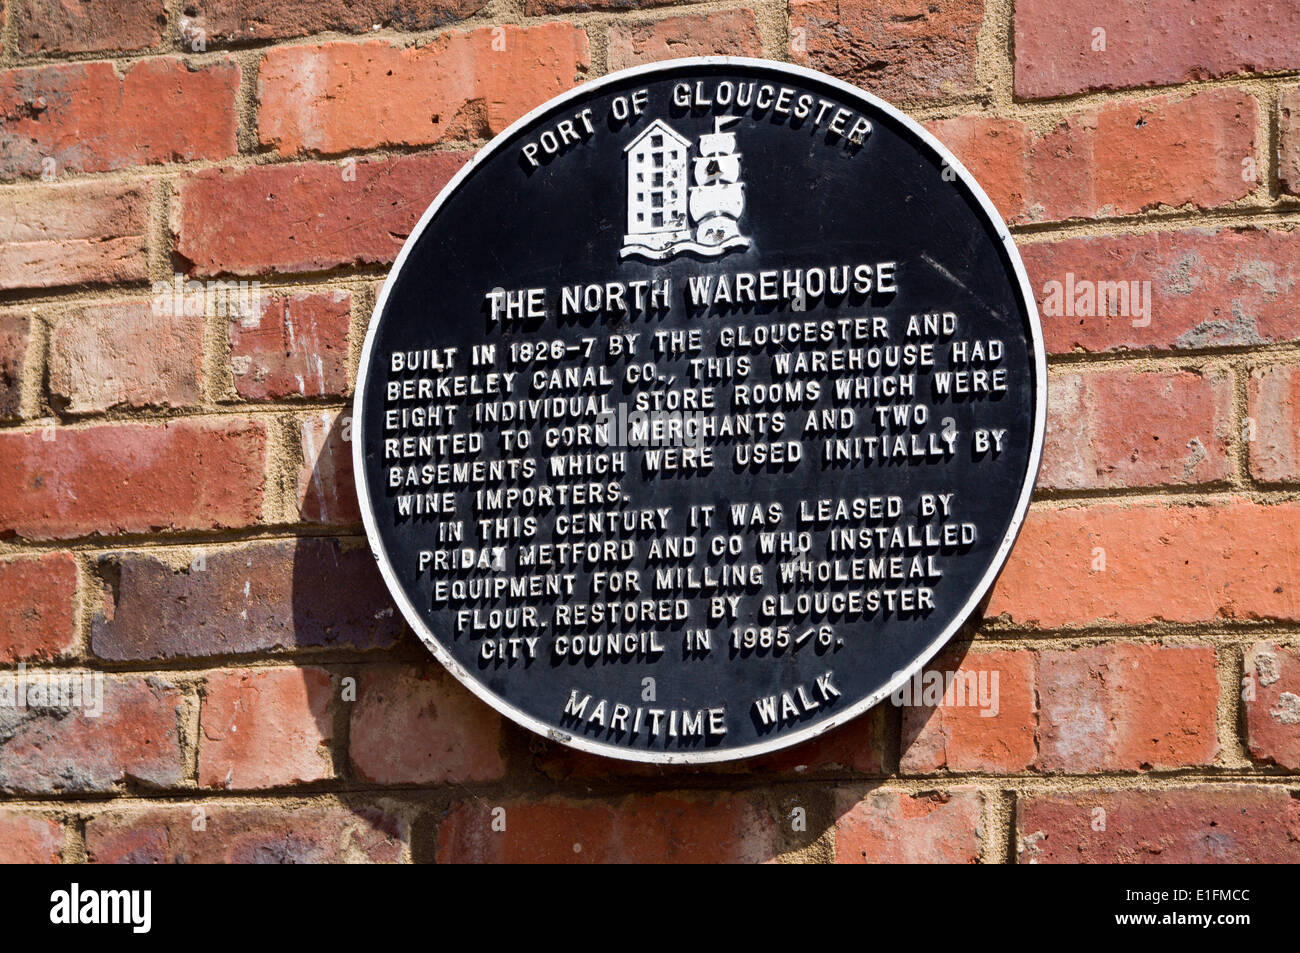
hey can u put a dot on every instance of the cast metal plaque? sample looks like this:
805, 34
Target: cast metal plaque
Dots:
699, 411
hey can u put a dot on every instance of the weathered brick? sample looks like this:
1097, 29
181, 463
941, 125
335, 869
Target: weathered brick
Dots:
904, 50
27, 838
340, 96
1130, 565
135, 740
731, 32
897, 827
647, 829
1211, 824
292, 346
1273, 710
1123, 428
985, 718
265, 728
311, 216
15, 332
132, 478
84, 26
1059, 50
326, 489
67, 234
247, 834
97, 361
37, 607
264, 597
243, 20
413, 724
1273, 398
1221, 287
1288, 127
87, 119
1118, 159
1125, 707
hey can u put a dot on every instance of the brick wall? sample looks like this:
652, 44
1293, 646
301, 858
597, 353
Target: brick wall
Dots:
176, 505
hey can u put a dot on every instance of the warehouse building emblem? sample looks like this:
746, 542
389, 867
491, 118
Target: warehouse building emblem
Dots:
667, 214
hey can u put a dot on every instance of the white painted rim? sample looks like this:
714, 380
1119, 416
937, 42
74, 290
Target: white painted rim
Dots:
499, 703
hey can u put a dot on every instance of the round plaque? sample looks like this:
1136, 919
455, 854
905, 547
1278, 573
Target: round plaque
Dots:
699, 411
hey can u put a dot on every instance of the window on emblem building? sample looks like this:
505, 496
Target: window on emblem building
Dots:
657, 219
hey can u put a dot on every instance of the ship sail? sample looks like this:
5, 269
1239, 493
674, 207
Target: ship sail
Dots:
717, 143
709, 200
711, 170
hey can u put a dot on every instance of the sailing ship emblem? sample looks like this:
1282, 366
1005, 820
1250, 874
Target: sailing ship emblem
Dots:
666, 215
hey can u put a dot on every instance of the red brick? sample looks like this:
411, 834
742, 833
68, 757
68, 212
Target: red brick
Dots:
1273, 394
1180, 564
903, 50
1288, 127
265, 728
311, 216
1152, 43
247, 834
340, 96
15, 332
1121, 428
29, 838
1211, 824
97, 361
135, 742
67, 234
132, 478
413, 724
1127, 707
1222, 287
1273, 713
895, 827
962, 733
87, 119
862, 746
243, 20
37, 608
648, 829
263, 597
84, 26
731, 32
1119, 159
292, 346
326, 489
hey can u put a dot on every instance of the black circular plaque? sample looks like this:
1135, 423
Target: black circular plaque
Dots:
699, 411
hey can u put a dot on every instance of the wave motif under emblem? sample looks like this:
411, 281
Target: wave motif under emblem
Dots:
699, 411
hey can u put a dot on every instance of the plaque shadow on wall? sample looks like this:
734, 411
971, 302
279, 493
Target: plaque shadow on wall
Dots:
340, 603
